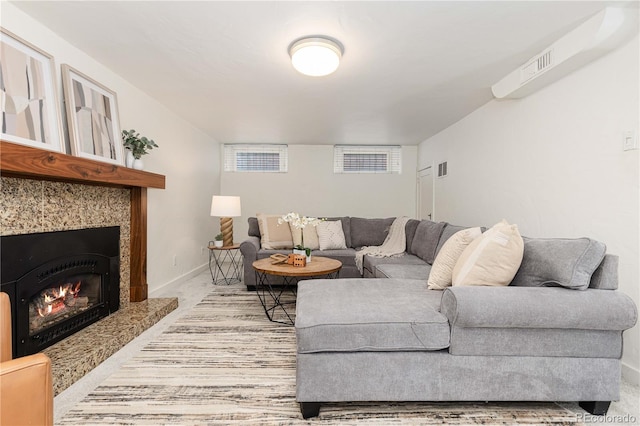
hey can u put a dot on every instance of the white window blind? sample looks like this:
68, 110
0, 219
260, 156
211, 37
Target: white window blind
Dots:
367, 159
255, 158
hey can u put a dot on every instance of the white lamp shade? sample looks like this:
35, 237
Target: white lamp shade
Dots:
315, 56
225, 206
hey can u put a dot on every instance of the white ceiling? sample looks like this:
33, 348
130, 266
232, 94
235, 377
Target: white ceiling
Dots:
409, 70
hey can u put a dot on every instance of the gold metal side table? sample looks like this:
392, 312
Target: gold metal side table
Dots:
225, 264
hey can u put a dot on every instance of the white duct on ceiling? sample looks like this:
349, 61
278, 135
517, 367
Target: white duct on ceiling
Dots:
600, 34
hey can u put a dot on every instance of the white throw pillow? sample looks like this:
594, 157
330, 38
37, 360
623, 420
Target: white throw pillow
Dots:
310, 237
441, 273
331, 235
492, 259
274, 236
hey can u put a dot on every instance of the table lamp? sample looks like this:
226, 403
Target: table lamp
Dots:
226, 207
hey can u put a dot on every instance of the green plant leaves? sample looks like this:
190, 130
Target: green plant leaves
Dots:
138, 146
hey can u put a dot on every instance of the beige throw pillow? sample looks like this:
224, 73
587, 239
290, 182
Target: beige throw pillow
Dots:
492, 259
274, 236
310, 237
331, 235
441, 273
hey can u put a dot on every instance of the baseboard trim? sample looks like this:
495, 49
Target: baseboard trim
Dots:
630, 374
192, 273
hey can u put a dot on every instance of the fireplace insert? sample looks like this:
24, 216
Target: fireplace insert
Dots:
59, 283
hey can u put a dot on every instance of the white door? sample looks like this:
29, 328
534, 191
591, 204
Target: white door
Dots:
425, 194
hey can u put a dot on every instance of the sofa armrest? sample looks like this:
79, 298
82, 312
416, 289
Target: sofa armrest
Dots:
249, 249
27, 391
605, 277
538, 307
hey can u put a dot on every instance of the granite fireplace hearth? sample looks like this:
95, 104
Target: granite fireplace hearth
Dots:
42, 192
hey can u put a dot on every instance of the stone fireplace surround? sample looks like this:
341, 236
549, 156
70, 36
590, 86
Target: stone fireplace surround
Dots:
31, 205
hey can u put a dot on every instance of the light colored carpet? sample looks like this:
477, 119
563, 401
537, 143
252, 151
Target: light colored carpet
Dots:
223, 362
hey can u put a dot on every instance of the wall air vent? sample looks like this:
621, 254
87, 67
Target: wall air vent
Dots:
595, 37
442, 169
536, 66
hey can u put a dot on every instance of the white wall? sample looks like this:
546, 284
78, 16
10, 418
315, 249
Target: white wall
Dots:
178, 217
553, 164
310, 187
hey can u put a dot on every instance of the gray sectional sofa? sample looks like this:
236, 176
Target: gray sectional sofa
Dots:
358, 233
554, 334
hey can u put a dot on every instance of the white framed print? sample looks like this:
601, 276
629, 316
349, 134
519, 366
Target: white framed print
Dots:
92, 118
30, 110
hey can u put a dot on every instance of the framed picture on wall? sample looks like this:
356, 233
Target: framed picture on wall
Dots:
92, 118
30, 114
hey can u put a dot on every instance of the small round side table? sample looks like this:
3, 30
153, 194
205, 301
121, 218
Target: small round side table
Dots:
225, 264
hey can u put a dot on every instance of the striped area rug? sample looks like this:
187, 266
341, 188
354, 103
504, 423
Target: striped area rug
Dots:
224, 363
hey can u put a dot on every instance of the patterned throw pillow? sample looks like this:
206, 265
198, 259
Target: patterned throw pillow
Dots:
441, 274
331, 235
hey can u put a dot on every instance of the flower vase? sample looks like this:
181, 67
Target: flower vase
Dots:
129, 159
138, 164
304, 253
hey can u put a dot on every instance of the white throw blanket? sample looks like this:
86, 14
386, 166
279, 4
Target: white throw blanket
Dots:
393, 245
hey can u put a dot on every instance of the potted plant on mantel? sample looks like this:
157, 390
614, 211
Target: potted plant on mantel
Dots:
137, 147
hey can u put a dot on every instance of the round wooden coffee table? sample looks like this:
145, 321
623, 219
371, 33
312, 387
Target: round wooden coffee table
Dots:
270, 294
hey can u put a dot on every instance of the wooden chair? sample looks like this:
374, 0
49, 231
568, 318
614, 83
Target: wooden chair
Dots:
26, 387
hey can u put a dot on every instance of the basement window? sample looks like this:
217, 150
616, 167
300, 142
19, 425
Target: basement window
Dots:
367, 159
255, 158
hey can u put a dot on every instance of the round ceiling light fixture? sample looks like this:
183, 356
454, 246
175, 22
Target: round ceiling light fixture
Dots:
315, 56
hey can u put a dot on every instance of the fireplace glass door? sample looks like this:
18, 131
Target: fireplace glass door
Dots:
62, 300
59, 283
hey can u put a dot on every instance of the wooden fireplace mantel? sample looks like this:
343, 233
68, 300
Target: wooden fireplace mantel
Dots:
32, 163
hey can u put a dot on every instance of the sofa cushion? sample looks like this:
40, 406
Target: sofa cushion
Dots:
412, 272
254, 229
346, 256
370, 263
409, 231
561, 262
364, 315
369, 232
273, 235
491, 259
331, 235
425, 240
441, 274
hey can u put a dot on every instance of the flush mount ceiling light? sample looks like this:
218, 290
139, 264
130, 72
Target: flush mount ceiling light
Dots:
315, 56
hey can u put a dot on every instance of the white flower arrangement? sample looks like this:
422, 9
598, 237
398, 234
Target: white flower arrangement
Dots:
299, 222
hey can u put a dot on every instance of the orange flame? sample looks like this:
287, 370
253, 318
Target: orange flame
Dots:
60, 293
